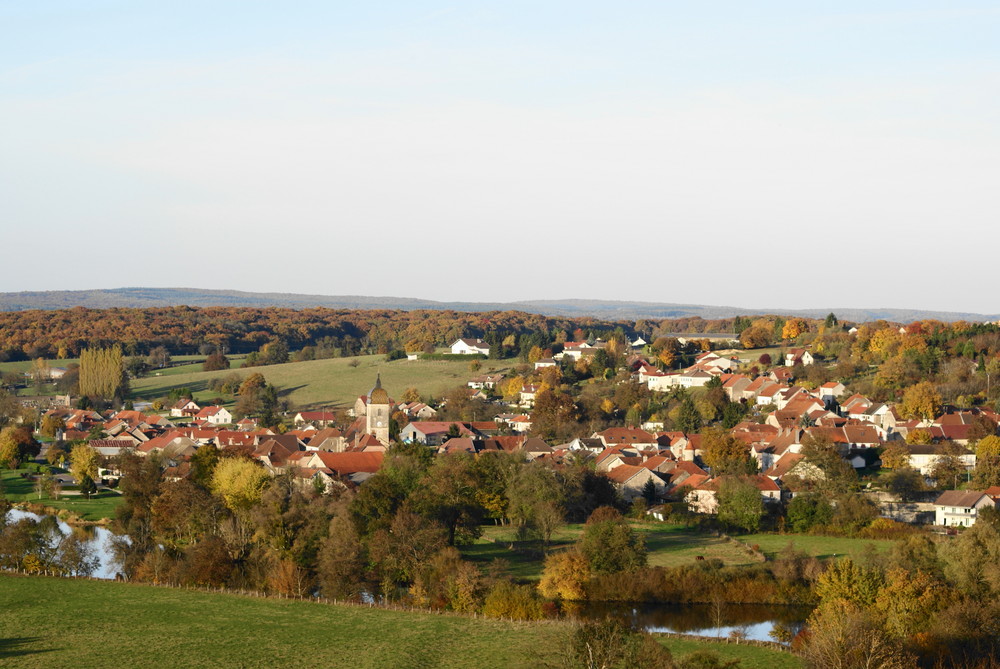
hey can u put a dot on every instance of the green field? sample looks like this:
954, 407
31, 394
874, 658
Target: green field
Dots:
328, 383
821, 547
99, 506
142, 626
668, 546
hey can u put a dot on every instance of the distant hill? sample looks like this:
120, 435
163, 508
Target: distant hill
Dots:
604, 309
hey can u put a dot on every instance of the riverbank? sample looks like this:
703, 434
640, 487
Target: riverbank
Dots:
142, 625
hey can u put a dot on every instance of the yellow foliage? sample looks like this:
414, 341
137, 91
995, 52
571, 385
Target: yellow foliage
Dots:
239, 482
565, 576
793, 328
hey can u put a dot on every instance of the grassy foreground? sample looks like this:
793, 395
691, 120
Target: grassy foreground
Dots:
49, 622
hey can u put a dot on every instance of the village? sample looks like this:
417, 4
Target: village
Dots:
663, 468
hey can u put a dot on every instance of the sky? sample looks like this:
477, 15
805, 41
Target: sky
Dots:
765, 154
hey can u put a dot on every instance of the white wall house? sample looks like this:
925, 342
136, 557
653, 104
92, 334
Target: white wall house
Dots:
960, 507
470, 347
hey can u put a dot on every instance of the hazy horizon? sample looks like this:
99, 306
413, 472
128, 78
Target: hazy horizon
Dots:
770, 155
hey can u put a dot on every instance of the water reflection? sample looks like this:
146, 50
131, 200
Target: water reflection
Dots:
98, 539
754, 620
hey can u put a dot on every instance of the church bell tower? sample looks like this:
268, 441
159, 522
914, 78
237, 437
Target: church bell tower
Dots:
377, 417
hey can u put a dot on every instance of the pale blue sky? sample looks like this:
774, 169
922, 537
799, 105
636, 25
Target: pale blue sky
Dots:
757, 154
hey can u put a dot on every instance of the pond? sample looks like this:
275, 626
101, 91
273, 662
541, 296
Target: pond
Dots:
98, 539
755, 621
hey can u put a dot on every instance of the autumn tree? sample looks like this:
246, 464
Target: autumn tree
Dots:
726, 454
565, 576
758, 335
821, 452
948, 468
51, 425
844, 636
554, 414
793, 328
215, 362
102, 372
921, 401
158, 357
340, 560
988, 462
895, 456
9, 454
83, 462
610, 544
447, 493
239, 482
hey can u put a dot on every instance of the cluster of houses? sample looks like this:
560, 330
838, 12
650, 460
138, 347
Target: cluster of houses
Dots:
636, 460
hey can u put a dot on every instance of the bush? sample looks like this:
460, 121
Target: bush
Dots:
519, 602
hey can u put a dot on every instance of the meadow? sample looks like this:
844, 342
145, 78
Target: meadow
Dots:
19, 489
668, 546
329, 383
124, 624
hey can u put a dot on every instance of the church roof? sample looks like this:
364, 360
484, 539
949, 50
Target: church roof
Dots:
378, 395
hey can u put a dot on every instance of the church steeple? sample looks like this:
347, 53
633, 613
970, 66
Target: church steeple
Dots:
377, 422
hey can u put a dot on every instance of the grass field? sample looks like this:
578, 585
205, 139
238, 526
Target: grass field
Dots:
821, 547
668, 546
18, 489
328, 383
142, 626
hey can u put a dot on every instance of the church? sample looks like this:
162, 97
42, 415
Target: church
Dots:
370, 429
377, 412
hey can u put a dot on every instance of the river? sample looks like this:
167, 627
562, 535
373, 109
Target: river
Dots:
98, 540
754, 621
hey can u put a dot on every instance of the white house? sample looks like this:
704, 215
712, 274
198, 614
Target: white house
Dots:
215, 415
184, 407
923, 457
470, 347
798, 355
960, 507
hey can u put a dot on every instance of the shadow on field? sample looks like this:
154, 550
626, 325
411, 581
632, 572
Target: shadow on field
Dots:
16, 647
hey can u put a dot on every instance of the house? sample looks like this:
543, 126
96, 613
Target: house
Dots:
578, 349
923, 457
794, 465
184, 408
358, 467
528, 393
470, 347
319, 418
631, 481
960, 507
545, 362
798, 355
485, 381
830, 391
704, 498
215, 415
417, 410
433, 433
626, 436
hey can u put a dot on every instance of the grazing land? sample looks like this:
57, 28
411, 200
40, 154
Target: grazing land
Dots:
333, 382
668, 546
140, 625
